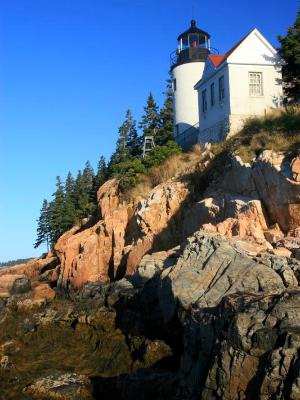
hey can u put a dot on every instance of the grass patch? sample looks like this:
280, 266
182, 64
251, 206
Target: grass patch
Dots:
278, 131
177, 164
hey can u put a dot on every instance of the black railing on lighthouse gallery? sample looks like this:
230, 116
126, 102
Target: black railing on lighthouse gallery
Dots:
191, 54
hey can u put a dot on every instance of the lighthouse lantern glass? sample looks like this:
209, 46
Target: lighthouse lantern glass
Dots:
203, 41
185, 43
194, 40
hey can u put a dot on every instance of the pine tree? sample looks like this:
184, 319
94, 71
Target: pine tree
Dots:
151, 121
290, 52
121, 152
56, 211
43, 228
84, 192
78, 189
88, 177
69, 218
165, 132
100, 176
128, 144
133, 144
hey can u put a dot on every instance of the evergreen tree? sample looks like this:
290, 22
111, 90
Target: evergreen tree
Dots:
78, 194
88, 177
56, 211
84, 192
290, 52
128, 144
165, 132
121, 153
133, 144
43, 228
151, 121
69, 218
100, 176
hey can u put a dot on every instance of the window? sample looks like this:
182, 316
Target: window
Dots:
255, 84
202, 41
204, 101
194, 40
184, 43
174, 85
212, 94
221, 89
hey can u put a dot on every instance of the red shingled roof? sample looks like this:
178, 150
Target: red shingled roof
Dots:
218, 59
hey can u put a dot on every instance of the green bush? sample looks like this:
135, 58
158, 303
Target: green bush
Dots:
129, 172
160, 153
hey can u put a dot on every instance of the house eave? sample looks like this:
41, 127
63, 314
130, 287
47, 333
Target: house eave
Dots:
203, 81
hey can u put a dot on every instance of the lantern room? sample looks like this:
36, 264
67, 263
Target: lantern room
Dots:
193, 45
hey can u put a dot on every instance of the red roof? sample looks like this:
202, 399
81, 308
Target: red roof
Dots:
220, 58
217, 59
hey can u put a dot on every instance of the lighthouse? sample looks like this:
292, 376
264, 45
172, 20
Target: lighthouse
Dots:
187, 65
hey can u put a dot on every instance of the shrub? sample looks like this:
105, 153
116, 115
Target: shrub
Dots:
160, 153
129, 172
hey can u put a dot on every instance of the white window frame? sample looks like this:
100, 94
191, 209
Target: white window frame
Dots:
255, 79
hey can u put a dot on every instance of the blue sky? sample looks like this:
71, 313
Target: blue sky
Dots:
69, 69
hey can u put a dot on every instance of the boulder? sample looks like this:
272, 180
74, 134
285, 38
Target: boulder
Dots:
279, 194
282, 251
43, 292
95, 253
15, 284
21, 285
231, 204
160, 213
210, 268
273, 234
32, 269
152, 265
64, 387
241, 364
246, 348
238, 178
205, 212
295, 167
115, 245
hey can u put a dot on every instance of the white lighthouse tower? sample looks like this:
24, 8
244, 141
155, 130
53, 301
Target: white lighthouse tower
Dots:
187, 65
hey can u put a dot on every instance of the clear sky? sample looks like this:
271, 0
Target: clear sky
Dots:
69, 69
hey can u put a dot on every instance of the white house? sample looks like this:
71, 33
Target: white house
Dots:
246, 81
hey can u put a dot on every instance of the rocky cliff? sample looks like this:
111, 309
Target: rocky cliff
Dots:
192, 292
259, 203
